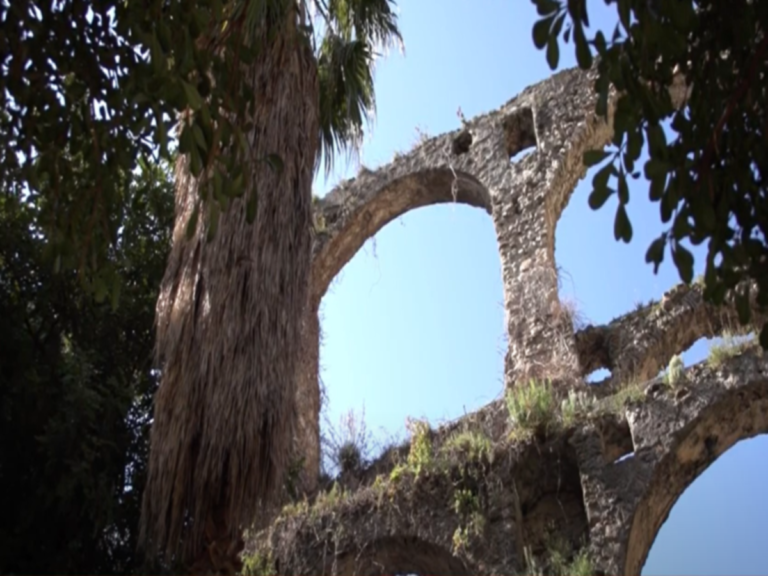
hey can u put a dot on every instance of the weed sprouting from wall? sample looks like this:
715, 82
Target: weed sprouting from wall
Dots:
559, 560
730, 346
532, 406
420, 456
675, 371
470, 445
347, 447
258, 565
577, 406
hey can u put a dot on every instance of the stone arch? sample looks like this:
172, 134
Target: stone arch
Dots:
348, 217
739, 414
402, 555
401, 195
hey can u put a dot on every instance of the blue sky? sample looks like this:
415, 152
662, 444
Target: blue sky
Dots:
413, 325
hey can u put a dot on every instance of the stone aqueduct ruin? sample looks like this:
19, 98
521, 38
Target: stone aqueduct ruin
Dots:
582, 482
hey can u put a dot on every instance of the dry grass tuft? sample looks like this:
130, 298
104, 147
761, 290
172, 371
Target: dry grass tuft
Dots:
729, 347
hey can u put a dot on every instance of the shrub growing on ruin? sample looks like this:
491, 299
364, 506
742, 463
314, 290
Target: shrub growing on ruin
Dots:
532, 405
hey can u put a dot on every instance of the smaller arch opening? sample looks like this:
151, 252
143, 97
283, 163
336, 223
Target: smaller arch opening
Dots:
402, 555
519, 133
739, 414
598, 377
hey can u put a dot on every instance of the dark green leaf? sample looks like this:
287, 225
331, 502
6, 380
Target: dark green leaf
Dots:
199, 138
553, 53
622, 228
583, 53
546, 7
192, 96
656, 168
623, 188
541, 31
657, 142
592, 157
624, 6
655, 252
683, 260
656, 190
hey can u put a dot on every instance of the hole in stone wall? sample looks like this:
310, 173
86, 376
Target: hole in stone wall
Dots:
519, 133
718, 524
624, 457
461, 143
598, 376
412, 328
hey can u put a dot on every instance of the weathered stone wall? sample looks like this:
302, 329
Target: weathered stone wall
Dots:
570, 480
608, 481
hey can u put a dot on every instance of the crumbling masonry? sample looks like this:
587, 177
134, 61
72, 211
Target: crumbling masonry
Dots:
608, 481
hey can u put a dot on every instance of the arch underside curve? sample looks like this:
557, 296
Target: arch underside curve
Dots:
401, 555
738, 412
416, 190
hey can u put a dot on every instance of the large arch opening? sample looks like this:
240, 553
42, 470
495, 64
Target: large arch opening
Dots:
415, 325
406, 328
726, 537
740, 414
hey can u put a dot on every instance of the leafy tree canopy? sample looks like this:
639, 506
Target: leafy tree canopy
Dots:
76, 388
87, 87
710, 179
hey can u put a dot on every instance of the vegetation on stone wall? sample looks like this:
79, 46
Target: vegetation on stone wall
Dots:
710, 179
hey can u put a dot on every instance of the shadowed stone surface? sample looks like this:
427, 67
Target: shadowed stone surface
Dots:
606, 480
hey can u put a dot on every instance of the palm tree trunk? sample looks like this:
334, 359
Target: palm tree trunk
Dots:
228, 327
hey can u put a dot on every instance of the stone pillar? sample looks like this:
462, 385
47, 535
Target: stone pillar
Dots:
541, 337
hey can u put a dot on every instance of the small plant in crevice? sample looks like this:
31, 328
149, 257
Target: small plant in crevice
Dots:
346, 447
329, 500
579, 565
420, 457
466, 504
675, 371
258, 565
628, 393
559, 560
469, 445
730, 346
398, 472
570, 312
532, 405
293, 478
577, 406
297, 508
381, 487
350, 459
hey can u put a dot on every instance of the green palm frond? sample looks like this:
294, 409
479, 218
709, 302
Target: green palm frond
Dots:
346, 95
353, 31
